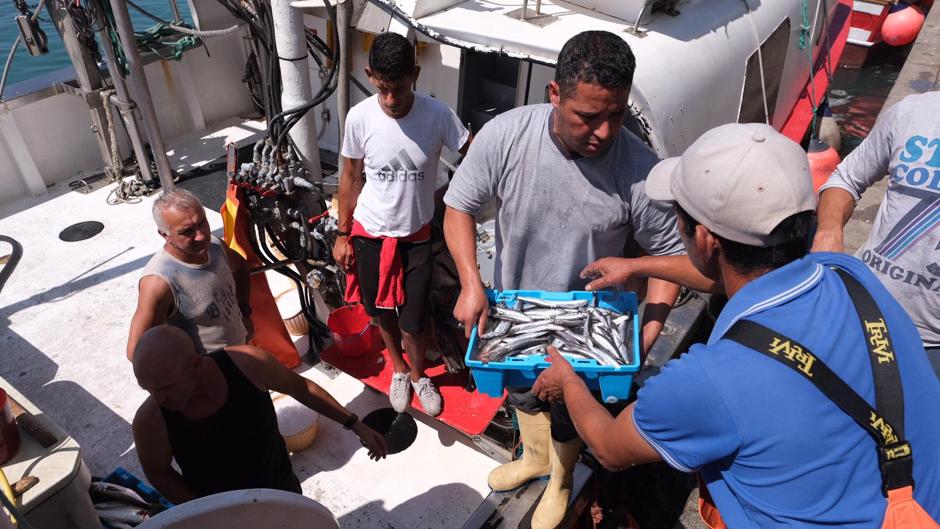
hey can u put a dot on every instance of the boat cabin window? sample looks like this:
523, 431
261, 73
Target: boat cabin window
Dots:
487, 87
774, 52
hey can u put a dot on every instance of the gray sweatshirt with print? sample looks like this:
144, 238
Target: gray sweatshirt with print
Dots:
903, 248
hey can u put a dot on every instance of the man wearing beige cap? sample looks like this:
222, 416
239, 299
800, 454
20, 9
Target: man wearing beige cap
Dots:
754, 410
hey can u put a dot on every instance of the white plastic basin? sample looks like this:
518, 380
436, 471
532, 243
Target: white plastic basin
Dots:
246, 509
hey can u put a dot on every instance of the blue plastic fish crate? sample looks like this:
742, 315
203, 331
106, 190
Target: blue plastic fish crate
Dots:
122, 477
612, 381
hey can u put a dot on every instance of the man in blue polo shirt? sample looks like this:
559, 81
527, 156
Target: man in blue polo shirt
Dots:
771, 448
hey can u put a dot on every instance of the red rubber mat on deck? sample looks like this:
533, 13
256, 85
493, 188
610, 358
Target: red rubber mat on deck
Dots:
468, 412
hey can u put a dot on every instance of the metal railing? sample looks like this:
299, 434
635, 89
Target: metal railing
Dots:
525, 7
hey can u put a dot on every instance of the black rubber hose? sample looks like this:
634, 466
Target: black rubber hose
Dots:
277, 132
283, 249
264, 254
15, 257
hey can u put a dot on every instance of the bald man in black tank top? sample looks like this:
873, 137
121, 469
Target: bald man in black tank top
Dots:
213, 415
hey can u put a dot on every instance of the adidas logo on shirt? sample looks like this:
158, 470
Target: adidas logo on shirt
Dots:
400, 168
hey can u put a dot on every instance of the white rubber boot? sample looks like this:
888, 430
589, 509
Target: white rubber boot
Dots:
554, 503
535, 431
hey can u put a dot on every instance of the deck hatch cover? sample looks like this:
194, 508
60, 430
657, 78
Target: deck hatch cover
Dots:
398, 429
81, 231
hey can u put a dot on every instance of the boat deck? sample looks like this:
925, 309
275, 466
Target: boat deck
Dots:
64, 315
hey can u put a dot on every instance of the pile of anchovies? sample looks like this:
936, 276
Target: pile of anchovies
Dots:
573, 327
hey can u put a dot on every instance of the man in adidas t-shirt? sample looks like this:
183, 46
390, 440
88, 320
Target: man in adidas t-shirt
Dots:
391, 153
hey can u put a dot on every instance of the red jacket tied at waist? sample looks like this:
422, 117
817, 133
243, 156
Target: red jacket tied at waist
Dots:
391, 292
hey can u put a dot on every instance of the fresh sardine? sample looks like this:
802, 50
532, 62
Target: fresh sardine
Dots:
500, 330
619, 344
586, 330
554, 304
545, 314
574, 327
121, 513
529, 351
535, 326
620, 320
515, 316
102, 491
600, 357
509, 345
605, 344
574, 317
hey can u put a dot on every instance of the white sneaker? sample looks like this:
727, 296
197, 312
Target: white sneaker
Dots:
428, 395
399, 392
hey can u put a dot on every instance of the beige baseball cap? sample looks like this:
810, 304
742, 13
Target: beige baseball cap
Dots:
738, 180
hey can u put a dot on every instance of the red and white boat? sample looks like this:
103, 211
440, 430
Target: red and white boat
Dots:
903, 18
867, 18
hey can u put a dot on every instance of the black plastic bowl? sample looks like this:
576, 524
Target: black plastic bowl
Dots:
398, 429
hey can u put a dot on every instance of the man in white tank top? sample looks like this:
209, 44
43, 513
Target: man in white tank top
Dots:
195, 282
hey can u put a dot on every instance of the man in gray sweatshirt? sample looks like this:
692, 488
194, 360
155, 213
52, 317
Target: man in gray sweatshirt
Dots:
569, 185
903, 248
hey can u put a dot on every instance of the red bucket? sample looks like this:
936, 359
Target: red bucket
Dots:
351, 330
9, 435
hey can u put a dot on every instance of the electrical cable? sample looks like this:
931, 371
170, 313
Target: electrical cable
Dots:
260, 30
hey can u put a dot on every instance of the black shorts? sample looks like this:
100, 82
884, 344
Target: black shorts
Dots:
563, 429
416, 260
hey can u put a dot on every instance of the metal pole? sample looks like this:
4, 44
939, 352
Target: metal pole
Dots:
176, 10
646, 4
295, 81
89, 79
123, 101
343, 16
145, 102
525, 5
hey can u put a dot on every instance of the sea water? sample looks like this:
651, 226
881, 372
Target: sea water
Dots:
26, 67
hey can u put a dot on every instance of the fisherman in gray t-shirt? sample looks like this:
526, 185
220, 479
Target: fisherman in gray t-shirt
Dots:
903, 248
568, 180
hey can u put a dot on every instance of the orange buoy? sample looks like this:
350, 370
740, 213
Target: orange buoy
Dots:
902, 25
823, 160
